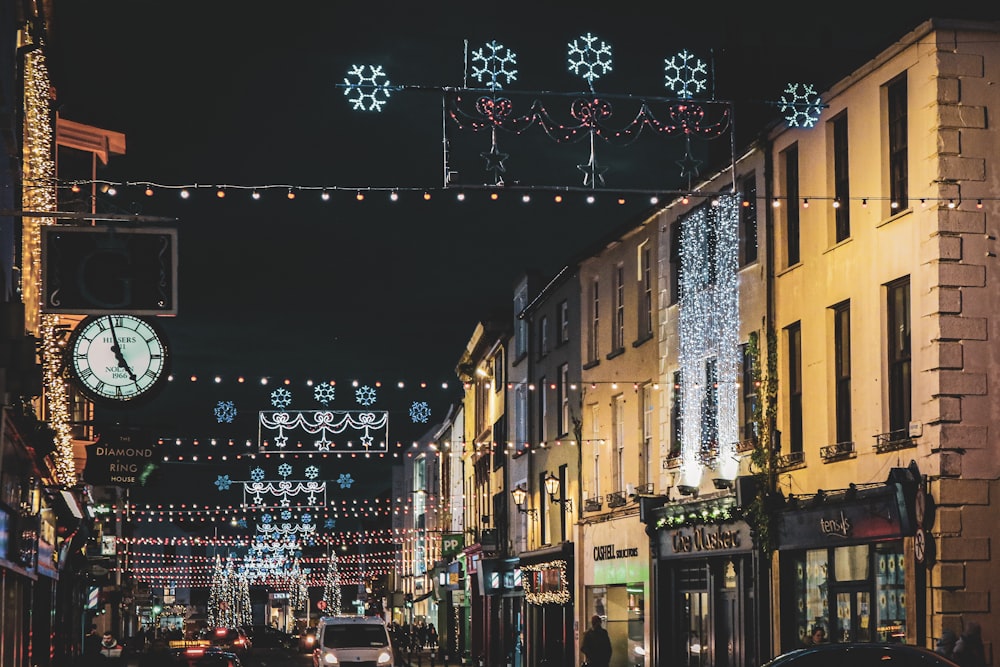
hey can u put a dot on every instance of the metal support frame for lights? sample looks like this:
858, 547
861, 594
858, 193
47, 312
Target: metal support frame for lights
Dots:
552, 484
520, 495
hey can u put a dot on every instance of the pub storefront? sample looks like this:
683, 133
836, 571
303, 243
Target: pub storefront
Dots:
845, 564
548, 606
710, 586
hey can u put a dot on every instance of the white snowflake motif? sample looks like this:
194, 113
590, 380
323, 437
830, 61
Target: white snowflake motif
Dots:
286, 515
365, 395
267, 518
284, 470
588, 61
225, 411
307, 518
324, 392
420, 412
329, 523
801, 105
257, 474
345, 480
685, 75
281, 398
367, 87
312, 472
223, 482
496, 60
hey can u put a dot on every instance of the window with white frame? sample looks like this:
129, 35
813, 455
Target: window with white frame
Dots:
618, 330
618, 428
645, 290
647, 473
563, 333
563, 389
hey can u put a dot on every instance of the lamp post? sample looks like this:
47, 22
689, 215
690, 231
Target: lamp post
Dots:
520, 496
552, 487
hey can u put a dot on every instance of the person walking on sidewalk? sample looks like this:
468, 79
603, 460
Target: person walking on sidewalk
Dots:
596, 645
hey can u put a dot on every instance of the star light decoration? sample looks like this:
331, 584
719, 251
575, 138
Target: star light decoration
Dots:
420, 412
365, 395
685, 75
324, 392
367, 87
281, 398
225, 412
497, 63
589, 58
801, 105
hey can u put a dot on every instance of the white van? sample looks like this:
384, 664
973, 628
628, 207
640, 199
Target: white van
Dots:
358, 641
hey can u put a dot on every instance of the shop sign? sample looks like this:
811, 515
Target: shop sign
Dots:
609, 552
872, 519
705, 539
120, 457
451, 544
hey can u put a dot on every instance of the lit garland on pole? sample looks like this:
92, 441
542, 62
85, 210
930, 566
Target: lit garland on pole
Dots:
331, 587
40, 195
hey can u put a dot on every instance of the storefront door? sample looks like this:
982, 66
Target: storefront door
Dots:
726, 622
852, 613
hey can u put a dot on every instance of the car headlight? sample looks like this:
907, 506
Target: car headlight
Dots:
330, 659
384, 658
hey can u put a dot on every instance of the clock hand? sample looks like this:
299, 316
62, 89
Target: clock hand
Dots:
118, 351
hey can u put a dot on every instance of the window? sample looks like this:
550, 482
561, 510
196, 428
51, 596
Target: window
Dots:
675, 415
793, 335
842, 369
618, 332
520, 417
563, 332
595, 319
520, 323
562, 506
543, 408
543, 523
646, 470
791, 160
898, 150
841, 178
646, 290
748, 221
595, 421
543, 336
618, 429
675, 262
710, 408
748, 391
499, 369
563, 389
899, 354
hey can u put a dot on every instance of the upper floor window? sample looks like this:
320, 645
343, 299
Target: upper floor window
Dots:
896, 97
543, 336
710, 407
675, 415
842, 369
543, 410
793, 336
520, 417
647, 469
520, 323
748, 392
618, 430
563, 322
675, 262
646, 290
841, 179
791, 164
563, 398
595, 319
748, 220
618, 330
898, 349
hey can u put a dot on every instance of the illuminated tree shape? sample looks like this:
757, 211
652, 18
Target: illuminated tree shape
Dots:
367, 87
281, 398
496, 61
588, 61
420, 412
685, 75
801, 105
225, 411
324, 392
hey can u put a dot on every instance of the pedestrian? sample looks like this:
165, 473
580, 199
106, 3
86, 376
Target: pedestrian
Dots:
596, 644
432, 636
110, 649
818, 636
946, 644
969, 651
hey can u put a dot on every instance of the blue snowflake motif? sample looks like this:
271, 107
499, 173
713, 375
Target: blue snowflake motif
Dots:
281, 398
330, 523
312, 472
497, 62
365, 395
801, 105
225, 411
367, 87
307, 518
588, 61
420, 412
242, 523
257, 474
685, 75
223, 482
284, 470
324, 392
345, 480
267, 518
286, 515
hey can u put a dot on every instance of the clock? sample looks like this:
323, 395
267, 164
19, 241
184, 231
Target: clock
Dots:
118, 359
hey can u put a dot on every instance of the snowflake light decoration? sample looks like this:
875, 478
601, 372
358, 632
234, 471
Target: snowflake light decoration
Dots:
330, 523
223, 482
365, 395
587, 60
257, 474
420, 412
801, 105
368, 89
281, 398
497, 62
307, 518
267, 518
685, 75
345, 480
242, 523
312, 472
324, 392
225, 411
284, 470
286, 515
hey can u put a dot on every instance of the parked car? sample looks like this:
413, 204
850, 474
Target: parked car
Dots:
203, 656
861, 654
230, 639
266, 636
344, 640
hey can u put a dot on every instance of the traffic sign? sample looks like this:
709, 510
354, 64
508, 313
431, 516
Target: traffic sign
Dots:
321, 605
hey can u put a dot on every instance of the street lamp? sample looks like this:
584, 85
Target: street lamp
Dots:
552, 487
520, 495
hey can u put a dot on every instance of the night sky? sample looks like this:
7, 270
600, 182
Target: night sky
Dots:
245, 94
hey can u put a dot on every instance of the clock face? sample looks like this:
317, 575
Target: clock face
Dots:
118, 358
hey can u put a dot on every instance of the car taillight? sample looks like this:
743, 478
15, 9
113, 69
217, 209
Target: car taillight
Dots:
239, 642
194, 651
